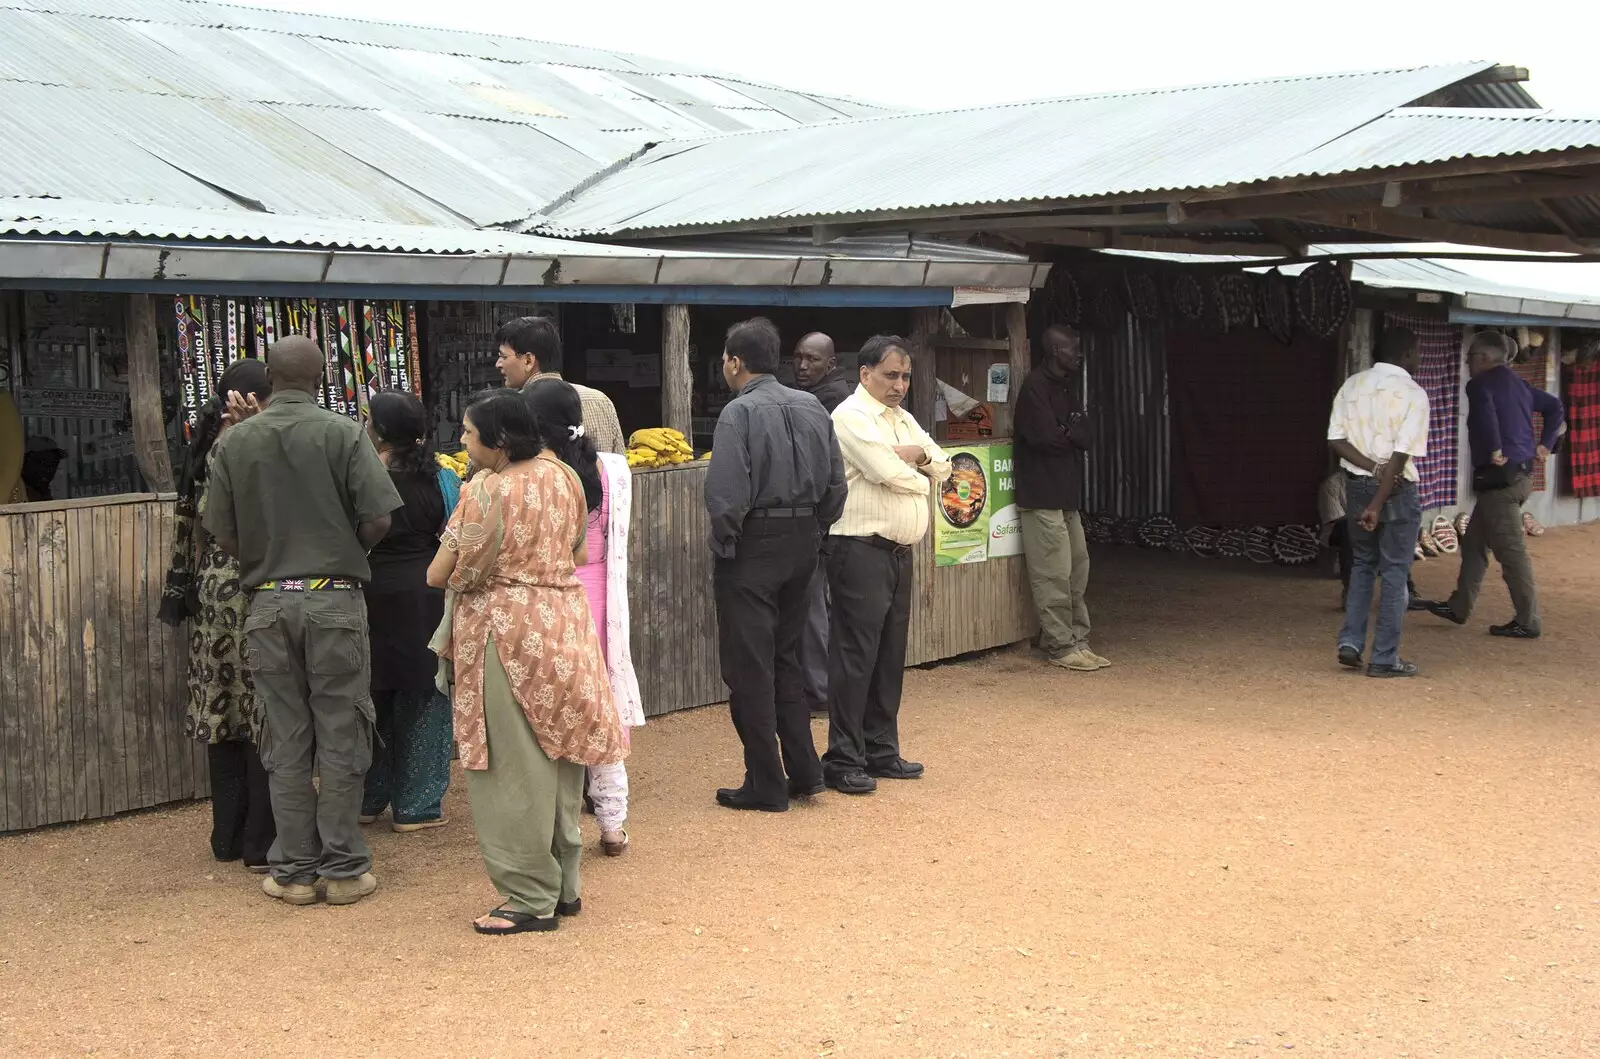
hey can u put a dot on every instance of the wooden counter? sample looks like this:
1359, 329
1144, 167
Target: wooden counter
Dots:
92, 686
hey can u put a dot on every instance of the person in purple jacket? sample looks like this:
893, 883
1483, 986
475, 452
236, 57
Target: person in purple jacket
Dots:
1500, 433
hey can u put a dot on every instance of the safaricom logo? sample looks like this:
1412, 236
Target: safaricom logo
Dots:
1007, 529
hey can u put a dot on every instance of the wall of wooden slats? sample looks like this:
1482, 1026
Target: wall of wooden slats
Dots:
91, 684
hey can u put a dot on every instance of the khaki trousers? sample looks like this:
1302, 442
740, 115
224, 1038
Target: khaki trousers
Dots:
1058, 573
525, 806
1496, 527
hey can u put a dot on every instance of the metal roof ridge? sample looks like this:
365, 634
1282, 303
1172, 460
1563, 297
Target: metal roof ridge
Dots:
1492, 114
1127, 93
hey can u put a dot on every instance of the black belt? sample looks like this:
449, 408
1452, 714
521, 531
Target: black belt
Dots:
883, 543
1525, 467
782, 512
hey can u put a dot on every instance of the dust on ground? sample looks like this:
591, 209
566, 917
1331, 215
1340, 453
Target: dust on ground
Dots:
1223, 845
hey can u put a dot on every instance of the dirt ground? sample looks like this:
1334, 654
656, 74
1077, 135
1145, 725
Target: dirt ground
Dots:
1224, 845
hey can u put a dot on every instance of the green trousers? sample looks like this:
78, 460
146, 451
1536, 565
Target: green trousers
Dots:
524, 805
1058, 573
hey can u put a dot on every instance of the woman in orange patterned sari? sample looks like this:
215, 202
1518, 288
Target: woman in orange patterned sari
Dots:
532, 699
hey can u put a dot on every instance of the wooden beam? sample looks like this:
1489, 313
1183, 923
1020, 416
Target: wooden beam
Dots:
144, 395
1034, 221
924, 379
677, 376
1424, 229
1556, 219
1021, 355
965, 342
1279, 233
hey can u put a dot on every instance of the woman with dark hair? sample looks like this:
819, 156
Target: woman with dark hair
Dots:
608, 487
203, 588
411, 756
532, 703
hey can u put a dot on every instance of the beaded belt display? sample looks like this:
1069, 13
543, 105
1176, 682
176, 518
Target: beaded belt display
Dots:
308, 584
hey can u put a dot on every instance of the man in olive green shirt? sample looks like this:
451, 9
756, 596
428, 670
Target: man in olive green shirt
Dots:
298, 495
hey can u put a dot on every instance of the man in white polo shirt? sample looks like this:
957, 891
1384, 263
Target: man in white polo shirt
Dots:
891, 468
1378, 428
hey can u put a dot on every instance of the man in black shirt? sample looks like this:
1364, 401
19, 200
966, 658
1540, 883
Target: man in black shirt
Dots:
1052, 436
817, 372
775, 485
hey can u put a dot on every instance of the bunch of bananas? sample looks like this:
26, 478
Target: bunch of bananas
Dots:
658, 447
457, 463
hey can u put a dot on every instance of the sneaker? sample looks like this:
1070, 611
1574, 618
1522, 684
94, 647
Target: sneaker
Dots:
349, 891
1077, 661
1350, 657
1100, 660
289, 893
1399, 669
1442, 610
1514, 630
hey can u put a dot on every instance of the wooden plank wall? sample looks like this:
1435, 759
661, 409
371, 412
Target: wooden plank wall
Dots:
956, 609
91, 684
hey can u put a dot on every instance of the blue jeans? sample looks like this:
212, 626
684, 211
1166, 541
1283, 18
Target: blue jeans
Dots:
1383, 556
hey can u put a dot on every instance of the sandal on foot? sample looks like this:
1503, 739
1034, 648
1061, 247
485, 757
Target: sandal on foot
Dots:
614, 849
418, 825
521, 922
1444, 535
1531, 525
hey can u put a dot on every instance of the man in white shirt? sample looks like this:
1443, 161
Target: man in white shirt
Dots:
892, 467
530, 352
1378, 428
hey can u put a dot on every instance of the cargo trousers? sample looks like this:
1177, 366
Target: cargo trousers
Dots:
309, 657
1058, 574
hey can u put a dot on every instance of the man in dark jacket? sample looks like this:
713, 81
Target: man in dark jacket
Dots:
817, 372
1052, 435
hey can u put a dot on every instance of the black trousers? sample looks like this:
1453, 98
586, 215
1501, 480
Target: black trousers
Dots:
241, 808
762, 596
870, 616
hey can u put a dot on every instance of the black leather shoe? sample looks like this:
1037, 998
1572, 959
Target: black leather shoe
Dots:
853, 782
1442, 610
1350, 657
798, 791
1399, 669
569, 908
1418, 603
1514, 631
739, 798
898, 769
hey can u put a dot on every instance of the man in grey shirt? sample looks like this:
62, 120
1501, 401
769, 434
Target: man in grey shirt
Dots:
775, 485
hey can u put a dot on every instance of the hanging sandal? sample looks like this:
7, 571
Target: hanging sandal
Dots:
1419, 554
1462, 520
1531, 526
521, 923
1429, 546
1444, 535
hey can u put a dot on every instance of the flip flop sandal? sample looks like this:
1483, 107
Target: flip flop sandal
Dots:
1444, 535
521, 923
1462, 520
1202, 541
1258, 545
1531, 526
1295, 546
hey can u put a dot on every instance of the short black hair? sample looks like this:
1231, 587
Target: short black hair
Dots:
536, 335
505, 420
1396, 344
874, 349
756, 342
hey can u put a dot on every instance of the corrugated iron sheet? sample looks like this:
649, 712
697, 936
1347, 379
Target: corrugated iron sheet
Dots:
1102, 145
186, 103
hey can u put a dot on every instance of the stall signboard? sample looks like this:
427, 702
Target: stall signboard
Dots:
975, 510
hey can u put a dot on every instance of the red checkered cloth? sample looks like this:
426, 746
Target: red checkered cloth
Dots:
1583, 428
1440, 376
1531, 368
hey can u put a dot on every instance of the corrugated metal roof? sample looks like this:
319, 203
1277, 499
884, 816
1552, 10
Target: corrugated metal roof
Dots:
1121, 143
187, 103
1413, 135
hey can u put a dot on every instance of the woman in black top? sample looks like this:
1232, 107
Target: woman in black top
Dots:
411, 759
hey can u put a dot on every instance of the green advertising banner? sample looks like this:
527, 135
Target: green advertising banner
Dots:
975, 511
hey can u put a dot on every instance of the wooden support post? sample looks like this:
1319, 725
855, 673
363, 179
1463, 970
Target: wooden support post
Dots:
677, 375
924, 377
1021, 355
144, 395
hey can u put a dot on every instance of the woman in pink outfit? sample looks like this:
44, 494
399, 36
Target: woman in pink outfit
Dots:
605, 581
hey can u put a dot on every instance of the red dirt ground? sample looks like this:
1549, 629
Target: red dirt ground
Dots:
1224, 845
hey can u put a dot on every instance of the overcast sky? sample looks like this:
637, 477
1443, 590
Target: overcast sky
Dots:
932, 54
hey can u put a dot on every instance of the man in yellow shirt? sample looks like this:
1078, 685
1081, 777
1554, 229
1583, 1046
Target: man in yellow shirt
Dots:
892, 467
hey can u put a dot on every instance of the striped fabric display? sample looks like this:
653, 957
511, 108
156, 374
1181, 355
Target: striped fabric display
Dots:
1583, 429
1440, 376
